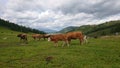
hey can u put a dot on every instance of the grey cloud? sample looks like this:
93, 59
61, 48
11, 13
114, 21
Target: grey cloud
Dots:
45, 20
102, 9
107, 8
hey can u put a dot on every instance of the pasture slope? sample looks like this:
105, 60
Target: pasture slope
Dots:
98, 53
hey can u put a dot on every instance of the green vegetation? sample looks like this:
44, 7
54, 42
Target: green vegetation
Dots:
18, 28
108, 28
103, 52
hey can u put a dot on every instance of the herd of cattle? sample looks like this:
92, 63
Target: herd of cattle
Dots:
66, 38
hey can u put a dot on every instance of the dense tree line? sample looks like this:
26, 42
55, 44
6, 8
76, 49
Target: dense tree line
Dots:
18, 28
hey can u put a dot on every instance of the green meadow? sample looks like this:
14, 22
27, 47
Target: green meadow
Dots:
97, 53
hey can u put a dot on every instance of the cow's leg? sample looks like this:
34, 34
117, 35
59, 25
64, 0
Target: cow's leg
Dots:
20, 40
63, 43
49, 39
56, 44
69, 41
44, 38
68, 45
34, 38
26, 40
81, 40
85, 39
38, 39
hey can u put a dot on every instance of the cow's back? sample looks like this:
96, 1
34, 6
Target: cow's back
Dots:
24, 36
74, 35
57, 37
36, 35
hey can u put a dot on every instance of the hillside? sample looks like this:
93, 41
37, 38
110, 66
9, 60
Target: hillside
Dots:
106, 28
68, 29
14, 27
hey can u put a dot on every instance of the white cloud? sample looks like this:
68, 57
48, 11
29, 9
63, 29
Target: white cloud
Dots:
58, 14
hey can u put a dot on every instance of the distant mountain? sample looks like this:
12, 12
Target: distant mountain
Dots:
68, 29
18, 28
47, 30
84, 28
106, 28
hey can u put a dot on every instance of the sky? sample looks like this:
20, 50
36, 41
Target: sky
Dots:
58, 14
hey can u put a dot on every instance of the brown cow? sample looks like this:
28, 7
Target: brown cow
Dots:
74, 35
58, 37
23, 37
37, 36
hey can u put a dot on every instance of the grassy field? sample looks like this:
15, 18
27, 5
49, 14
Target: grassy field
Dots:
98, 53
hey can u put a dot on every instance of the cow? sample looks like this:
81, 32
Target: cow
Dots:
37, 36
58, 37
23, 37
74, 35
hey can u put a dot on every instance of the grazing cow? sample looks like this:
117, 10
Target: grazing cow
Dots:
23, 37
58, 37
37, 36
74, 35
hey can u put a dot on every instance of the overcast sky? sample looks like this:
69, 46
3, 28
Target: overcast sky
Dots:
58, 14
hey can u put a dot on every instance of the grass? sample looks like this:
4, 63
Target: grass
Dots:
98, 53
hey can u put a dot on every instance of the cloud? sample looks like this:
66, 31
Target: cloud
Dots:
100, 8
58, 14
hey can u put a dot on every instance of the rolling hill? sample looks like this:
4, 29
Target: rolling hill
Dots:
68, 29
107, 28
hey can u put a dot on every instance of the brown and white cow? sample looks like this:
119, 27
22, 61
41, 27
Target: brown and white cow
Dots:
58, 37
74, 35
23, 37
